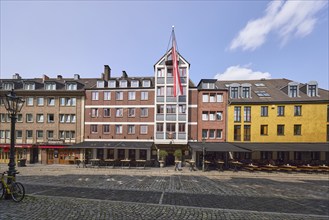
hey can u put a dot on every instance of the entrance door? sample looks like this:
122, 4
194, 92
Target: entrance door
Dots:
50, 156
170, 159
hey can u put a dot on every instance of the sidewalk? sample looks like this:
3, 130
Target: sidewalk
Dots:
56, 169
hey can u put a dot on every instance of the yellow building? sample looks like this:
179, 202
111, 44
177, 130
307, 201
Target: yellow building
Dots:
278, 119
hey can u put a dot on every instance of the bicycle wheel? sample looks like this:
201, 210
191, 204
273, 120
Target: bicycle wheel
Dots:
17, 191
2, 190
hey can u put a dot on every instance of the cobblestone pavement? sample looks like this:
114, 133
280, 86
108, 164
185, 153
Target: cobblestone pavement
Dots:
67, 192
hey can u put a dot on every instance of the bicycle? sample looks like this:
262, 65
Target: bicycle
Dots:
15, 189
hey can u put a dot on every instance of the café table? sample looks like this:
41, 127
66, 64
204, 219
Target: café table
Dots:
140, 163
125, 163
269, 167
287, 167
236, 164
220, 164
251, 167
109, 162
192, 165
94, 162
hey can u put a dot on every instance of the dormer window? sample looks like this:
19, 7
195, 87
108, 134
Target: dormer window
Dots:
134, 83
123, 84
234, 92
8, 86
312, 89
208, 85
146, 83
71, 86
29, 86
293, 89
112, 84
100, 84
50, 86
246, 87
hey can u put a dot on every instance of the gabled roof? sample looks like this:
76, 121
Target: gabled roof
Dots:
166, 54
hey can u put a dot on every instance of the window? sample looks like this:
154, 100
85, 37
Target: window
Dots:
39, 134
29, 134
146, 83
2, 134
234, 92
50, 118
71, 86
29, 118
51, 101
50, 134
119, 112
50, 86
293, 90
219, 97
297, 129
107, 95
144, 95
212, 116
170, 91
280, 110
312, 90
212, 133
3, 117
160, 73
171, 109
93, 128
94, 95
19, 118
29, 86
19, 134
40, 118
182, 72
112, 84
171, 127
118, 129
134, 83
264, 111
100, 84
119, 96
40, 101
182, 109
204, 133
131, 129
29, 101
280, 130
143, 129
68, 118
219, 116
94, 112
237, 132
123, 83
245, 92
160, 91
160, 109
106, 129
61, 134
205, 98
246, 132
61, 118
8, 86
205, 116
169, 73
160, 127
212, 97
67, 101
264, 130
247, 113
107, 112
131, 95
181, 127
131, 112
73, 118
208, 85
297, 110
219, 133
237, 114
144, 112
262, 94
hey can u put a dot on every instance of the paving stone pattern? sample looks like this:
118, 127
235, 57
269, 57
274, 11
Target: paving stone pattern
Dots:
57, 192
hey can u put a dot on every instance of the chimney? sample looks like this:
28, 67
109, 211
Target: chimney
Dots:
124, 74
16, 76
44, 78
76, 76
107, 73
59, 77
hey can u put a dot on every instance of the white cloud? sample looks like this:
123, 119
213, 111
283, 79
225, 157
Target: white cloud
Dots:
286, 18
241, 73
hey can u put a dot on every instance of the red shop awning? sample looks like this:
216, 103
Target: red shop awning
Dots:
16, 146
52, 146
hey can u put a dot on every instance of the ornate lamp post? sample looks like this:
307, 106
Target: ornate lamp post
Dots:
203, 153
13, 105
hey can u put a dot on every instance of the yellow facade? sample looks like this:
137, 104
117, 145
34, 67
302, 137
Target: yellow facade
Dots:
313, 121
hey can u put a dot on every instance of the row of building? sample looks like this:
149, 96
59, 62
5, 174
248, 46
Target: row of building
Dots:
119, 117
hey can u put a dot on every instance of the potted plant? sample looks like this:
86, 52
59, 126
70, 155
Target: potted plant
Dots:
178, 154
162, 155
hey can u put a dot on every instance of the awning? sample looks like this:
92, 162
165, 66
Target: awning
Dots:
16, 145
53, 146
284, 146
218, 146
113, 145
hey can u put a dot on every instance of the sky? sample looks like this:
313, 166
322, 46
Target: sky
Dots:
220, 39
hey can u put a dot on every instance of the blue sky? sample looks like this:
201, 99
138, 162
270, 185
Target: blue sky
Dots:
222, 39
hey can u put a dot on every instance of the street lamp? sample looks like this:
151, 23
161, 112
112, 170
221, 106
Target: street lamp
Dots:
203, 153
13, 105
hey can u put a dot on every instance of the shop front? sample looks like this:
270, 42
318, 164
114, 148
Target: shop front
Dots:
58, 154
23, 152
